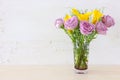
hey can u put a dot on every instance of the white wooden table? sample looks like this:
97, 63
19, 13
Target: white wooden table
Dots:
58, 72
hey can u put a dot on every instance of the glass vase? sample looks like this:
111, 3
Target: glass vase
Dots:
81, 51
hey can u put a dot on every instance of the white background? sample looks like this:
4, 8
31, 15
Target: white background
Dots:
28, 34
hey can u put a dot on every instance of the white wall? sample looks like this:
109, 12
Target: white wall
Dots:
28, 34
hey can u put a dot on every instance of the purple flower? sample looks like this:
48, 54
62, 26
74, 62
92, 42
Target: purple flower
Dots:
86, 28
71, 23
59, 22
108, 20
101, 28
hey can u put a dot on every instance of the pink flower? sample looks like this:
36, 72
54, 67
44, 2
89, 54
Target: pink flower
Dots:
101, 28
59, 22
86, 28
108, 20
71, 23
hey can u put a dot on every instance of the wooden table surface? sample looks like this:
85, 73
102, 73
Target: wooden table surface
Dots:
58, 72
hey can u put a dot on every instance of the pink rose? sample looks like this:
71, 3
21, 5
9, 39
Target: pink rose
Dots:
71, 23
59, 22
86, 28
108, 20
101, 28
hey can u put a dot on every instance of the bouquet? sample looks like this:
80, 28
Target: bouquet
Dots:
82, 27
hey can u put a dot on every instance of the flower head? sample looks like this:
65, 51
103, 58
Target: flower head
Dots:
108, 20
71, 23
84, 16
67, 17
75, 11
101, 28
81, 16
59, 22
86, 28
96, 16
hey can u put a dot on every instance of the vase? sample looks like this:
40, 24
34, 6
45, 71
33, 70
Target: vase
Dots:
81, 51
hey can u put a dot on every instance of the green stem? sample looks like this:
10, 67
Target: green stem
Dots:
80, 54
81, 43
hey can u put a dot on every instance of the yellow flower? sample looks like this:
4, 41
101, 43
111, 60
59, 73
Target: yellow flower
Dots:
67, 17
81, 16
96, 16
75, 12
84, 16
69, 31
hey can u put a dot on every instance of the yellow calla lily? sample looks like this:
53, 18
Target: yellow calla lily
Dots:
84, 16
81, 16
75, 12
96, 16
67, 17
